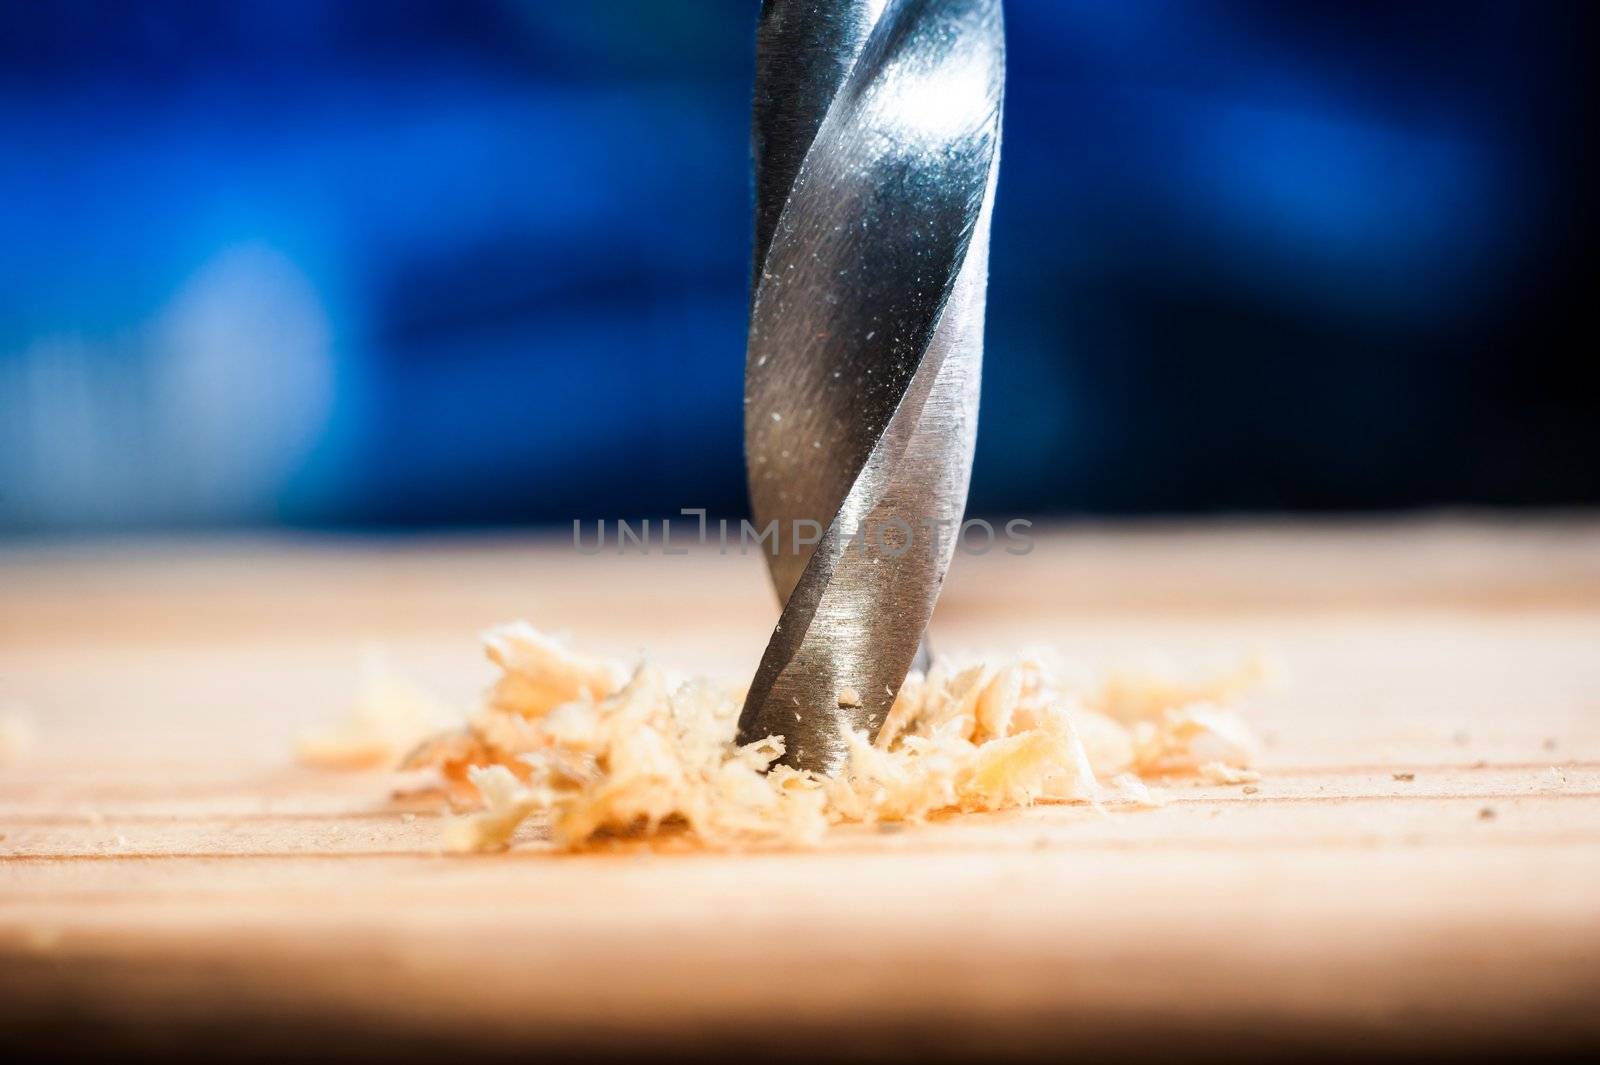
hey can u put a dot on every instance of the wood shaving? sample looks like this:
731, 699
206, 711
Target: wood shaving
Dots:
1136, 791
1185, 738
1223, 773
17, 736
389, 718
596, 750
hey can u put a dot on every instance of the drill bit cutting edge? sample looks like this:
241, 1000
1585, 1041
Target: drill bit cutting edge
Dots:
877, 134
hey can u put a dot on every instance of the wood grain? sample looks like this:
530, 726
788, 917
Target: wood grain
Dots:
170, 882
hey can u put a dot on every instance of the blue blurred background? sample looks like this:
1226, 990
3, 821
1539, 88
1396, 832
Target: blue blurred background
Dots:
437, 262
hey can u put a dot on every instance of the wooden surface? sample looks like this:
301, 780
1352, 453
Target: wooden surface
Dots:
169, 879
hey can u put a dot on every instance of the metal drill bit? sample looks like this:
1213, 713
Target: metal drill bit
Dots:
877, 137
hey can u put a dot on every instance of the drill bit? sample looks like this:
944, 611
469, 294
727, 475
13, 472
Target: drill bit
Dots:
876, 133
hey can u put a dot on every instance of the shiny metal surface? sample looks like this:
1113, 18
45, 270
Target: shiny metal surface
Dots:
876, 135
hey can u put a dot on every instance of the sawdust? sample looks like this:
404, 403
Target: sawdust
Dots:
593, 749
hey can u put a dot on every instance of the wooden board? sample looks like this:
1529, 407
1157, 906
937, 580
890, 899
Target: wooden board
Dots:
169, 880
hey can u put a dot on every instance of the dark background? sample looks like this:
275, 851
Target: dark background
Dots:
435, 262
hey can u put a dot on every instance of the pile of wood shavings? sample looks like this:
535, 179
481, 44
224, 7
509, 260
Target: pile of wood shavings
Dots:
597, 750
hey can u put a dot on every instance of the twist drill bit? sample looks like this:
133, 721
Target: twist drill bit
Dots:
876, 132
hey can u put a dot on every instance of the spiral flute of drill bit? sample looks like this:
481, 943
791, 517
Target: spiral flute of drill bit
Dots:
876, 135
